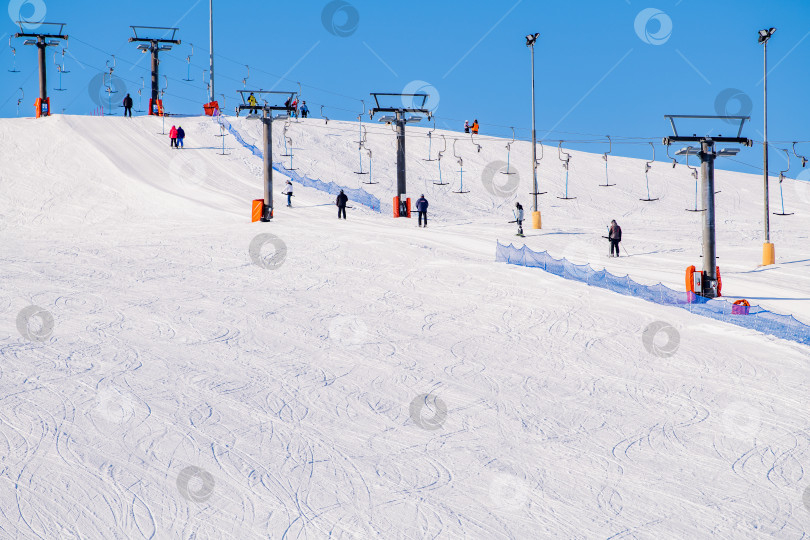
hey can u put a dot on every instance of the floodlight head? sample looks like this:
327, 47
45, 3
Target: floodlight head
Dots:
725, 152
687, 151
143, 47
30, 42
531, 39
165, 48
53, 43
765, 35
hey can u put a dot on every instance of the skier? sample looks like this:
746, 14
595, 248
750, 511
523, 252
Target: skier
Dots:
341, 201
289, 193
421, 207
252, 100
288, 104
518, 212
173, 136
475, 126
615, 236
304, 110
180, 136
128, 106
295, 108
466, 126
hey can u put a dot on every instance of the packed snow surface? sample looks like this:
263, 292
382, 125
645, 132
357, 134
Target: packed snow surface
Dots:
184, 377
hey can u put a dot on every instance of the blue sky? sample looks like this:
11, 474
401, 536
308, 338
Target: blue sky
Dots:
604, 67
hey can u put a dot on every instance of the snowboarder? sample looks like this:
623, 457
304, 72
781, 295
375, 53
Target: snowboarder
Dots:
252, 100
615, 236
466, 126
304, 110
180, 136
475, 126
421, 207
173, 136
518, 212
128, 106
289, 193
341, 201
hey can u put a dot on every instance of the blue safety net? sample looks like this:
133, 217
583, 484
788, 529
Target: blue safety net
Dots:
359, 196
759, 319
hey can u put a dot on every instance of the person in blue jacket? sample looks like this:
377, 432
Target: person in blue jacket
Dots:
421, 207
180, 136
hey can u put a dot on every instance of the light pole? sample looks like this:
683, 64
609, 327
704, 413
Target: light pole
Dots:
531, 39
768, 250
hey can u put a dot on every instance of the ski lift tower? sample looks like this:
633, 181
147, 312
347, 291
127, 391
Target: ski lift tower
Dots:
263, 208
152, 44
402, 204
42, 40
706, 283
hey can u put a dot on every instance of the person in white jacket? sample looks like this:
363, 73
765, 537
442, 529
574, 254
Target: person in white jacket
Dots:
519, 218
289, 192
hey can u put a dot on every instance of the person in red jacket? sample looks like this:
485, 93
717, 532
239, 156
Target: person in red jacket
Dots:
173, 136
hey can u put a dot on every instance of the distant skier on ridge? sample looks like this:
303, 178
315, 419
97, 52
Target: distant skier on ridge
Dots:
421, 207
304, 110
475, 126
127, 106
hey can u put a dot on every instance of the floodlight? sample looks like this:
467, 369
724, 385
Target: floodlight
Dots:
531, 39
30, 42
414, 119
143, 47
725, 152
165, 48
687, 151
388, 119
765, 35
53, 43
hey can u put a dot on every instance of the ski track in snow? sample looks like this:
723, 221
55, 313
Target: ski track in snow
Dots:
292, 387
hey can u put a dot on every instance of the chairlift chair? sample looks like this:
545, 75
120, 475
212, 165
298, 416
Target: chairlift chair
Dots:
782, 177
694, 173
188, 60
605, 157
509, 153
360, 146
461, 170
647, 167
430, 142
439, 159
14, 58
537, 162
804, 159
370, 181
566, 162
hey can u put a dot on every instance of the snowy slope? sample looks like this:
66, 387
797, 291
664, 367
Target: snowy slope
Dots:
187, 392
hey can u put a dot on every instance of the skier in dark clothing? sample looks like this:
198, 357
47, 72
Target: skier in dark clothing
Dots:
180, 136
421, 207
128, 106
615, 236
341, 201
